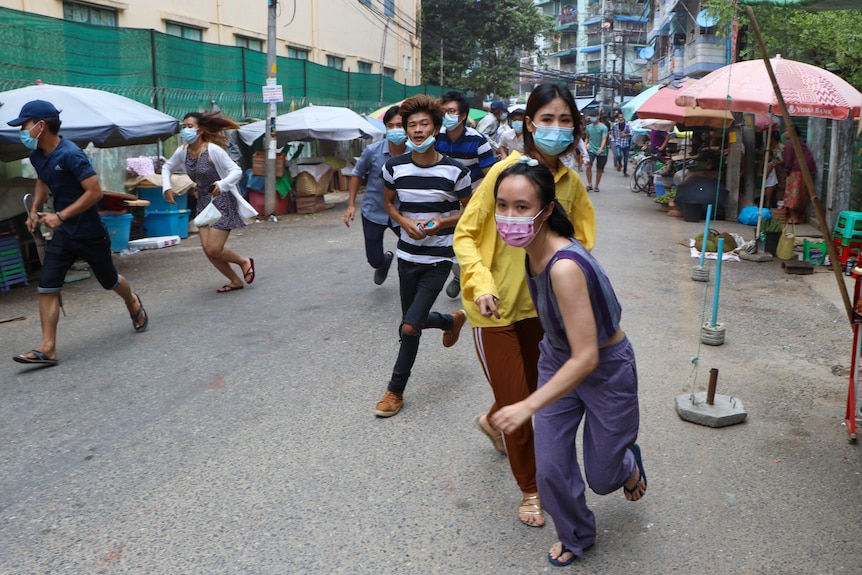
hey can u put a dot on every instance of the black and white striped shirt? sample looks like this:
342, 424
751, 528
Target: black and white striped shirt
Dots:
426, 192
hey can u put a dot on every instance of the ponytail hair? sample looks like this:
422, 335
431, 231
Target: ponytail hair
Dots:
546, 189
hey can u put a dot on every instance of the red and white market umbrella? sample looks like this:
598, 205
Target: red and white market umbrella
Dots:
745, 87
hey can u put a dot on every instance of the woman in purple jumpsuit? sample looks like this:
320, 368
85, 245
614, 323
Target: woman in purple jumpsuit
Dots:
586, 366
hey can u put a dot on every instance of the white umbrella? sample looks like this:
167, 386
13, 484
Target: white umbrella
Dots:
314, 123
105, 119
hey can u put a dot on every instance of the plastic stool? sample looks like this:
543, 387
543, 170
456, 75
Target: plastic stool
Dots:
848, 225
844, 251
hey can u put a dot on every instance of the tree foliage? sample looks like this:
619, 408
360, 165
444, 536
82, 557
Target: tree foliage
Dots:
481, 42
828, 39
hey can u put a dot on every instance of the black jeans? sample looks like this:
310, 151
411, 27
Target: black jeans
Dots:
420, 285
374, 241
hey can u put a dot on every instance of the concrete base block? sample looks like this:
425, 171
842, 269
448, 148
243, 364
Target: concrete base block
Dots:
724, 411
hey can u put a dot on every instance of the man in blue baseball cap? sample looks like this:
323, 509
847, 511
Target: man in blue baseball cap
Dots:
64, 172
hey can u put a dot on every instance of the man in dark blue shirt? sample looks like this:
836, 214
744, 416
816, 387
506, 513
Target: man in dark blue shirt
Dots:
64, 172
469, 147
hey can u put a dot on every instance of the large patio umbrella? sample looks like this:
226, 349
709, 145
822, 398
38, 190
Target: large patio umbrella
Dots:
314, 123
630, 107
103, 118
745, 87
661, 106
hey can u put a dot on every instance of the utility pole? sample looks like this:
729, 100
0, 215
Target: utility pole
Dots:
441, 62
383, 58
269, 139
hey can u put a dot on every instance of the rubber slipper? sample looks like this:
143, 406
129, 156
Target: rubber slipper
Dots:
496, 440
227, 288
249, 275
40, 359
137, 317
558, 563
636, 451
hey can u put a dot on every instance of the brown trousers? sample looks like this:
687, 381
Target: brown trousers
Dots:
509, 356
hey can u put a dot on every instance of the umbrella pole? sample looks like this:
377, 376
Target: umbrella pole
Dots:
763, 182
806, 175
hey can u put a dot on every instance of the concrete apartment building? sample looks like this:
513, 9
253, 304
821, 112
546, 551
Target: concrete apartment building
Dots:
365, 36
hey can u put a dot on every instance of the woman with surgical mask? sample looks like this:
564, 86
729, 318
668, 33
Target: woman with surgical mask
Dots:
513, 139
506, 329
207, 163
587, 369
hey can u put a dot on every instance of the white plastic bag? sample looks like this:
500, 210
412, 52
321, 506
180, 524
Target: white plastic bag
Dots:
208, 216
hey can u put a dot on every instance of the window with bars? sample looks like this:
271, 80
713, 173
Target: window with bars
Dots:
75, 12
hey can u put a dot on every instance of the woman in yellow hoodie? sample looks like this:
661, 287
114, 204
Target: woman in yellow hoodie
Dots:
506, 329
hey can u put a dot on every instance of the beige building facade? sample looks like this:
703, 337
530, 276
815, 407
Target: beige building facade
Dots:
366, 36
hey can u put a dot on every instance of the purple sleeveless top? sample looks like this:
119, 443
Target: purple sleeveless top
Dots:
606, 307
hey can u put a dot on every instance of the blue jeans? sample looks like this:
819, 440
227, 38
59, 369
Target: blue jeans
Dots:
373, 233
621, 157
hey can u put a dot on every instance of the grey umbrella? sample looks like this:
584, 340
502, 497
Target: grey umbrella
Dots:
105, 119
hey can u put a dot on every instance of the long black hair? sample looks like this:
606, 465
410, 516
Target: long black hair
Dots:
543, 182
543, 95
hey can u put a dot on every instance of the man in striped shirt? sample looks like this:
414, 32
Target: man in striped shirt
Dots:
424, 192
466, 145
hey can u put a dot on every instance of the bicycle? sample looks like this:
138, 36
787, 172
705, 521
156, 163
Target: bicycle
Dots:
642, 175
649, 165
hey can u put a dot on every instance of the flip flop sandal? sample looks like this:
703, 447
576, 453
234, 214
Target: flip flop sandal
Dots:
496, 440
557, 562
636, 451
228, 287
40, 359
533, 509
137, 317
248, 276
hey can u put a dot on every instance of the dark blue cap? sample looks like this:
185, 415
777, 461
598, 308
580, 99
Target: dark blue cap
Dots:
35, 110
497, 105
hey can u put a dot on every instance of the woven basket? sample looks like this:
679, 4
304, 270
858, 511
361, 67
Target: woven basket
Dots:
306, 185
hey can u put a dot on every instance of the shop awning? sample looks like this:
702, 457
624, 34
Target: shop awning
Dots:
591, 49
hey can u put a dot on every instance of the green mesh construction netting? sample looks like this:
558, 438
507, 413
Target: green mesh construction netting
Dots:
176, 75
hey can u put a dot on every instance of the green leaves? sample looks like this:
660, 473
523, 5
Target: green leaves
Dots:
481, 42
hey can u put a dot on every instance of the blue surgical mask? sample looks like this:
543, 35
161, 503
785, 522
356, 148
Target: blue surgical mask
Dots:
29, 141
503, 116
518, 126
396, 135
593, 119
553, 140
423, 147
189, 135
451, 121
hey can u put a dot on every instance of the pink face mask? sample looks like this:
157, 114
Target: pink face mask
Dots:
517, 232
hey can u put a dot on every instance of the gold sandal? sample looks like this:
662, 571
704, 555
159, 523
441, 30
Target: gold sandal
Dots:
533, 509
496, 440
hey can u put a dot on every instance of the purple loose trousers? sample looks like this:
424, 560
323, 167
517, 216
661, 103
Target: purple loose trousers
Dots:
608, 397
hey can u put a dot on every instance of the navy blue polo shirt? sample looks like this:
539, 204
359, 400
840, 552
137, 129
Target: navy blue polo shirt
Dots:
62, 171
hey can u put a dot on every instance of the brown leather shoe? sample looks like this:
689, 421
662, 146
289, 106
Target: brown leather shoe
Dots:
450, 336
389, 405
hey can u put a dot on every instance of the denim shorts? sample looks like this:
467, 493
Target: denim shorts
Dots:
63, 251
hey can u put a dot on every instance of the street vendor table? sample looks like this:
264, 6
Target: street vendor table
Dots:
853, 411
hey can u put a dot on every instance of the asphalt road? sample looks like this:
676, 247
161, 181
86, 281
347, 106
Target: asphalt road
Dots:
237, 436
